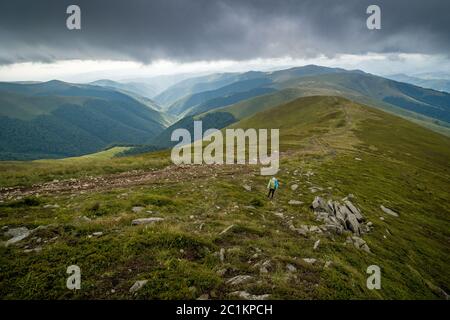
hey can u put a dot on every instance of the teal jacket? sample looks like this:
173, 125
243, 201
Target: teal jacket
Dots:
272, 184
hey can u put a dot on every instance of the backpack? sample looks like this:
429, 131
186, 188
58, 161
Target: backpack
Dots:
273, 183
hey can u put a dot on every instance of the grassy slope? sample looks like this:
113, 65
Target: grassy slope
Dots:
251, 106
402, 166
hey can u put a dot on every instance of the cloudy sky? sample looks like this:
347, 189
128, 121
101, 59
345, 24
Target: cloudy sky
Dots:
143, 38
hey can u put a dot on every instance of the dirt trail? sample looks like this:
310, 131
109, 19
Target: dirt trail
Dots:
171, 173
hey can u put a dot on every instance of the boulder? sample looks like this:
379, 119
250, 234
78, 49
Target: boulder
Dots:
354, 210
352, 224
319, 203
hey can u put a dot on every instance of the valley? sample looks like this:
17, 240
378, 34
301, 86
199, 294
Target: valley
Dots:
141, 228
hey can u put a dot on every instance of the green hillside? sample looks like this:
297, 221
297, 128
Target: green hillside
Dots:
215, 222
57, 119
435, 84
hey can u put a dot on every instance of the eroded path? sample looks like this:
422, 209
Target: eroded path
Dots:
172, 173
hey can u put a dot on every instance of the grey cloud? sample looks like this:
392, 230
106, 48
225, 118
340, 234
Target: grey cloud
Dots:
191, 30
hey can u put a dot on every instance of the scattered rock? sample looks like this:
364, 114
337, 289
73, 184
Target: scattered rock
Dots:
247, 296
310, 260
238, 280
51, 206
316, 244
137, 209
226, 230
264, 267
291, 268
37, 249
359, 243
295, 202
301, 231
146, 220
138, 285
203, 297
294, 187
328, 264
222, 255
389, 211
247, 187
279, 215
97, 234
221, 272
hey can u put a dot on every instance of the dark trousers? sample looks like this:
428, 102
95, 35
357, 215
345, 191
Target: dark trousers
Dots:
271, 192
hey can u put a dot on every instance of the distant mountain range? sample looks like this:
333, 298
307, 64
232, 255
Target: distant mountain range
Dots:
308, 80
140, 88
58, 119
436, 84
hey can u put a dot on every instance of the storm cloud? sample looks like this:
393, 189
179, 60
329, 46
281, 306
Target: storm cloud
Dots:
192, 30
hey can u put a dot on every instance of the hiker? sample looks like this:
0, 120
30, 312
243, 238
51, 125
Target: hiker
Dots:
272, 186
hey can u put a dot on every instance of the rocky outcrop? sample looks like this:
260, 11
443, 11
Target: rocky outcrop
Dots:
339, 217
